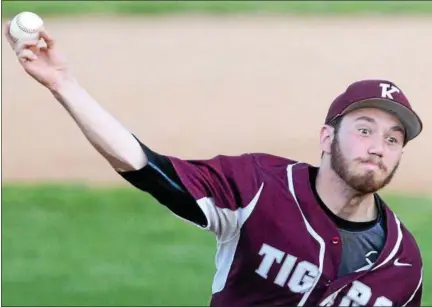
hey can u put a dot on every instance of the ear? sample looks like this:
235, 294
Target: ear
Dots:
326, 138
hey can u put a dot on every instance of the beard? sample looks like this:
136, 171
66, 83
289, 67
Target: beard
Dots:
365, 183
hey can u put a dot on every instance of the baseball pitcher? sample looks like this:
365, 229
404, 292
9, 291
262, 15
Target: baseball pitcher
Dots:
288, 233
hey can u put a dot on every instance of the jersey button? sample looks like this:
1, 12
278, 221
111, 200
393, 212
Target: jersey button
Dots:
335, 240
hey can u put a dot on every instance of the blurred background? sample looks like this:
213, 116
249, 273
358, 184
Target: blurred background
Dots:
191, 79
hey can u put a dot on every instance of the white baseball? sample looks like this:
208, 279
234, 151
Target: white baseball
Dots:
26, 26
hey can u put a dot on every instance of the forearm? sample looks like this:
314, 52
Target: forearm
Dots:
107, 135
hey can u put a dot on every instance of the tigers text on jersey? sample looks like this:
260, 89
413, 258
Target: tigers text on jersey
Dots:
277, 246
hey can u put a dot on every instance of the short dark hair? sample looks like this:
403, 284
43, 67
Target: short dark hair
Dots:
335, 123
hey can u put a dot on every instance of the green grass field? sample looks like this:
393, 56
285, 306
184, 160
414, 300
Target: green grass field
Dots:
77, 246
81, 246
11, 7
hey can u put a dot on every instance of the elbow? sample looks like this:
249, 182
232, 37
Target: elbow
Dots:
128, 164
124, 156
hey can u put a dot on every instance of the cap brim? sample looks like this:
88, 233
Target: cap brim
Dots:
409, 119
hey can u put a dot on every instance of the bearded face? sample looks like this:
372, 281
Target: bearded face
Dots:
366, 150
365, 175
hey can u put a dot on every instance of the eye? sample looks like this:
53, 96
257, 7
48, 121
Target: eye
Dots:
364, 131
392, 140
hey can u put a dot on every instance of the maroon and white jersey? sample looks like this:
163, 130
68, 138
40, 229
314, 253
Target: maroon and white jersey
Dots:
276, 246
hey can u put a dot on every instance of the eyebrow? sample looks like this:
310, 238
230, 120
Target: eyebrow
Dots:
365, 118
371, 120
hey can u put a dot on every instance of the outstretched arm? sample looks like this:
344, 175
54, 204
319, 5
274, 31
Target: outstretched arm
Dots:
108, 136
208, 193
135, 162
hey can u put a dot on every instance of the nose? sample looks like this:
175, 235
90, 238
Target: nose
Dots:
376, 147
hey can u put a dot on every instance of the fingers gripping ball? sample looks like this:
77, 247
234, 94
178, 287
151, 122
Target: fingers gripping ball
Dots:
26, 27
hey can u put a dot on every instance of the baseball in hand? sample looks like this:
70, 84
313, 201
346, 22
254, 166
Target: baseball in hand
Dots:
26, 26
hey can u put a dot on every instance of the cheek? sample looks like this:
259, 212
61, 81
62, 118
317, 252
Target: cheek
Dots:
355, 148
393, 159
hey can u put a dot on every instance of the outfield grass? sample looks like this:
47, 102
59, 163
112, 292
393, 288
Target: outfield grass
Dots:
45, 8
80, 246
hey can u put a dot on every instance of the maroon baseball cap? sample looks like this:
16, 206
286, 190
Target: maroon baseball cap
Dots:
380, 94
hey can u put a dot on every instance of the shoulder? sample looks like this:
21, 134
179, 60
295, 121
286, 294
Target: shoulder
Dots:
258, 160
257, 157
272, 161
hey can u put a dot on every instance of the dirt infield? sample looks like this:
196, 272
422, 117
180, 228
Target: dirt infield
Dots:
197, 87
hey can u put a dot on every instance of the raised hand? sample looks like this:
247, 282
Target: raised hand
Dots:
43, 62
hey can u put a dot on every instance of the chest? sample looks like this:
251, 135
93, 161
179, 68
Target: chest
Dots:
360, 249
289, 254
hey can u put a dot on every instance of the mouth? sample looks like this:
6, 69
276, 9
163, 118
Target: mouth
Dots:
371, 165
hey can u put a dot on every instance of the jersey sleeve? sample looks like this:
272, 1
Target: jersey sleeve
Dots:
216, 194
226, 189
159, 179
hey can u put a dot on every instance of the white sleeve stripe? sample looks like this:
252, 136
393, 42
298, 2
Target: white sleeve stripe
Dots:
224, 222
245, 212
415, 291
208, 207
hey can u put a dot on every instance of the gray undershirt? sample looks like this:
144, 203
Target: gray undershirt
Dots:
361, 248
361, 242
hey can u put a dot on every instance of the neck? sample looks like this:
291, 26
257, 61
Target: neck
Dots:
342, 200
